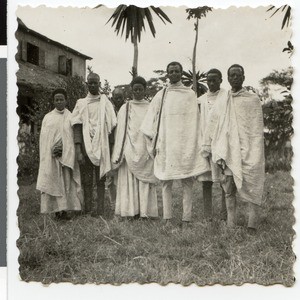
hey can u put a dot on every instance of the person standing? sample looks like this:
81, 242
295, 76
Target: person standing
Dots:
93, 120
237, 145
59, 175
117, 100
206, 103
136, 189
172, 124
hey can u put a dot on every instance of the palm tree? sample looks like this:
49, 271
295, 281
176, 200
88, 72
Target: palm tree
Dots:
196, 13
285, 23
201, 78
130, 19
287, 14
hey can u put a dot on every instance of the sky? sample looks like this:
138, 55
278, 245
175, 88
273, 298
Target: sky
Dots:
245, 35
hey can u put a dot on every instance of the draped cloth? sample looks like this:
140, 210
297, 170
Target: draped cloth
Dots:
59, 177
178, 138
95, 138
207, 103
135, 148
136, 191
236, 133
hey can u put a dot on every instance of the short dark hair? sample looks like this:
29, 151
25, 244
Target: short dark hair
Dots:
92, 74
175, 63
215, 71
118, 89
59, 91
235, 66
138, 79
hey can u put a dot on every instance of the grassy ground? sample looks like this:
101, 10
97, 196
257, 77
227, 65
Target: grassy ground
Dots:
87, 249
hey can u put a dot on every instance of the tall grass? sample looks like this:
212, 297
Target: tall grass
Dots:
115, 251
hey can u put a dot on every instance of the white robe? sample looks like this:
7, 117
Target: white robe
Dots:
207, 103
136, 191
58, 178
179, 143
237, 138
95, 132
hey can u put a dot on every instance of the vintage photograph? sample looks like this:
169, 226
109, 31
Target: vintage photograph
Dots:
155, 145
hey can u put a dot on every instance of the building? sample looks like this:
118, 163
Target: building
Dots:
44, 64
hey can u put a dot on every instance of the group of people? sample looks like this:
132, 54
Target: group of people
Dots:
134, 144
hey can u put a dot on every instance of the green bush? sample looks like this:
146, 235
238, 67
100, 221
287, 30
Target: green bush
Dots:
278, 118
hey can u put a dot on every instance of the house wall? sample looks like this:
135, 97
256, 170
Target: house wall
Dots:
49, 54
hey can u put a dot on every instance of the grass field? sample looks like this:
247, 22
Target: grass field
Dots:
97, 250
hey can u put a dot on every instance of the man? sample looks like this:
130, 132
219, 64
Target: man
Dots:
117, 100
237, 145
173, 124
206, 103
59, 175
93, 120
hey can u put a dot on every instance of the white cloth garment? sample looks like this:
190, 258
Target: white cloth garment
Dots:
58, 178
136, 191
207, 103
236, 133
96, 128
178, 143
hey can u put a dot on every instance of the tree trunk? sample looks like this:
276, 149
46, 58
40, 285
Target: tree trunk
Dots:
194, 57
135, 58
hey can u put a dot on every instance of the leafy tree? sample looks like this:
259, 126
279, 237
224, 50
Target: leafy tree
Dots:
197, 14
130, 19
278, 118
76, 88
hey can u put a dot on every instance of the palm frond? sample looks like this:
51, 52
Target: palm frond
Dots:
286, 18
287, 14
198, 12
275, 12
132, 18
160, 13
272, 7
149, 20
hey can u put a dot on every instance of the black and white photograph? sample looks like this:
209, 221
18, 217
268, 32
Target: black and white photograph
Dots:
155, 144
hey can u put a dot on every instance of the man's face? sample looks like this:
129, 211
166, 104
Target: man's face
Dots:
236, 78
138, 91
59, 102
118, 98
93, 84
213, 82
174, 73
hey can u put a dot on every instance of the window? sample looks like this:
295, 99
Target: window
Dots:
33, 54
69, 67
65, 65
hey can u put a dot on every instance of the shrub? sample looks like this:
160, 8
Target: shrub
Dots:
278, 120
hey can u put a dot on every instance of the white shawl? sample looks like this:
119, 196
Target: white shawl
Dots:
56, 128
135, 148
178, 142
237, 138
97, 148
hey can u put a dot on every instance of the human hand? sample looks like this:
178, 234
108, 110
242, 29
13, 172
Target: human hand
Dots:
221, 163
57, 151
79, 156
